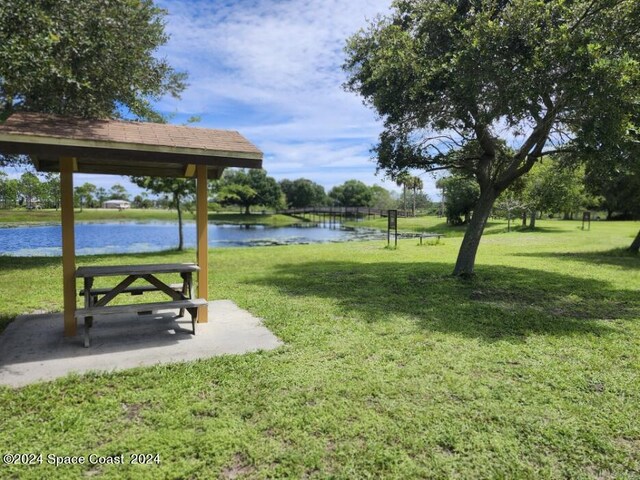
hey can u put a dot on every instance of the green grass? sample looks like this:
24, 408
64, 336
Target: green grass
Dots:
435, 224
391, 369
23, 216
254, 219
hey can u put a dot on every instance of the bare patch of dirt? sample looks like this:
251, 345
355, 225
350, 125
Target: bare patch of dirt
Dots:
239, 467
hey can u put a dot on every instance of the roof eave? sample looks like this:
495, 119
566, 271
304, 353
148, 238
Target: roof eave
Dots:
29, 143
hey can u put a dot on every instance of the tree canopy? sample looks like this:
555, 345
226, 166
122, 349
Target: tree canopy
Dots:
352, 193
619, 176
382, 199
551, 187
84, 195
460, 195
248, 189
118, 192
619, 188
180, 190
302, 193
490, 87
88, 58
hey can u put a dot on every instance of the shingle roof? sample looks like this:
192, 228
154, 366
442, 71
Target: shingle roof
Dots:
108, 144
119, 131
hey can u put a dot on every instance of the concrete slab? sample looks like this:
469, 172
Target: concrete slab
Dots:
33, 349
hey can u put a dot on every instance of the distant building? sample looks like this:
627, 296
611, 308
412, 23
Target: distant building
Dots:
119, 204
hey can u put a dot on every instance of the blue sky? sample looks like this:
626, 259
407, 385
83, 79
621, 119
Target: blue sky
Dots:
272, 70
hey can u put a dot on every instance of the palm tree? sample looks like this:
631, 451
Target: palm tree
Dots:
402, 180
415, 184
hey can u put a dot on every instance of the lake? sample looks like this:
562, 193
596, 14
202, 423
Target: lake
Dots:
135, 237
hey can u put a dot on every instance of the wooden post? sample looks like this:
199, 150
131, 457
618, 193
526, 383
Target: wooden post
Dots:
202, 222
68, 246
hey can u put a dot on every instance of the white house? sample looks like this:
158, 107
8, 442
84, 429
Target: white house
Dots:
119, 204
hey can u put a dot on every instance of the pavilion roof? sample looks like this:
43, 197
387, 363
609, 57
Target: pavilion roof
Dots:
124, 147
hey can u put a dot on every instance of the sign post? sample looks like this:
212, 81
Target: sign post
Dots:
392, 224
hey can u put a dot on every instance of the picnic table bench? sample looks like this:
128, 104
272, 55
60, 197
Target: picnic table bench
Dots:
96, 299
420, 235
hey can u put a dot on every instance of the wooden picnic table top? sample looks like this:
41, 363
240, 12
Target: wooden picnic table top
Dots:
145, 269
418, 234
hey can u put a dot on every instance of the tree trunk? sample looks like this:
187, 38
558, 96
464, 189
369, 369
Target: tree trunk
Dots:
532, 220
524, 219
404, 198
635, 245
246, 210
413, 210
469, 248
180, 235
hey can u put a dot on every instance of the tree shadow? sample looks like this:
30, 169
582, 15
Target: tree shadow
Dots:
491, 228
541, 230
9, 263
500, 303
617, 257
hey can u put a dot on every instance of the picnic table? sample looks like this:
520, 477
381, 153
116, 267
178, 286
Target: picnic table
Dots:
96, 300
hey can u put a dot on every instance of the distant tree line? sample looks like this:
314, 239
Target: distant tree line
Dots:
303, 193
34, 191
554, 186
255, 189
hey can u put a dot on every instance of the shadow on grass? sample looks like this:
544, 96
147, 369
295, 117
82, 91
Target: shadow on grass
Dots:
618, 257
500, 303
8, 263
492, 228
541, 230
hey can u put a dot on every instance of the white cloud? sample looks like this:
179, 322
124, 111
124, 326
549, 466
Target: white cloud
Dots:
272, 70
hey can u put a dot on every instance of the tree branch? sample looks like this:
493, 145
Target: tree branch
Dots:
590, 13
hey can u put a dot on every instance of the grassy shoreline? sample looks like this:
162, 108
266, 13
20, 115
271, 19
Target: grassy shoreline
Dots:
391, 367
21, 217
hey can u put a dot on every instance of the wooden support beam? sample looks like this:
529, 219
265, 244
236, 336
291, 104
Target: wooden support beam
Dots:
190, 170
68, 246
202, 223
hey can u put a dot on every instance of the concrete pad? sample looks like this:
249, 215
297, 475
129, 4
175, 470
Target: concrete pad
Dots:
33, 349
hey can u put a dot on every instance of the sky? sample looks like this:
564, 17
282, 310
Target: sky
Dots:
271, 69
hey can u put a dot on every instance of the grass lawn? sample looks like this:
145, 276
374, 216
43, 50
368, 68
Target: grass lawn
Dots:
391, 369
26, 217
435, 224
254, 219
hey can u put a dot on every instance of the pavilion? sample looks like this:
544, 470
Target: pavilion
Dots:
74, 145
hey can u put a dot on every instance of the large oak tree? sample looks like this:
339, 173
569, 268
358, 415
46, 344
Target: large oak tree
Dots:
489, 87
88, 58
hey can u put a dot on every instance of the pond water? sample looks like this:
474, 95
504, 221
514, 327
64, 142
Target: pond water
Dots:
134, 237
